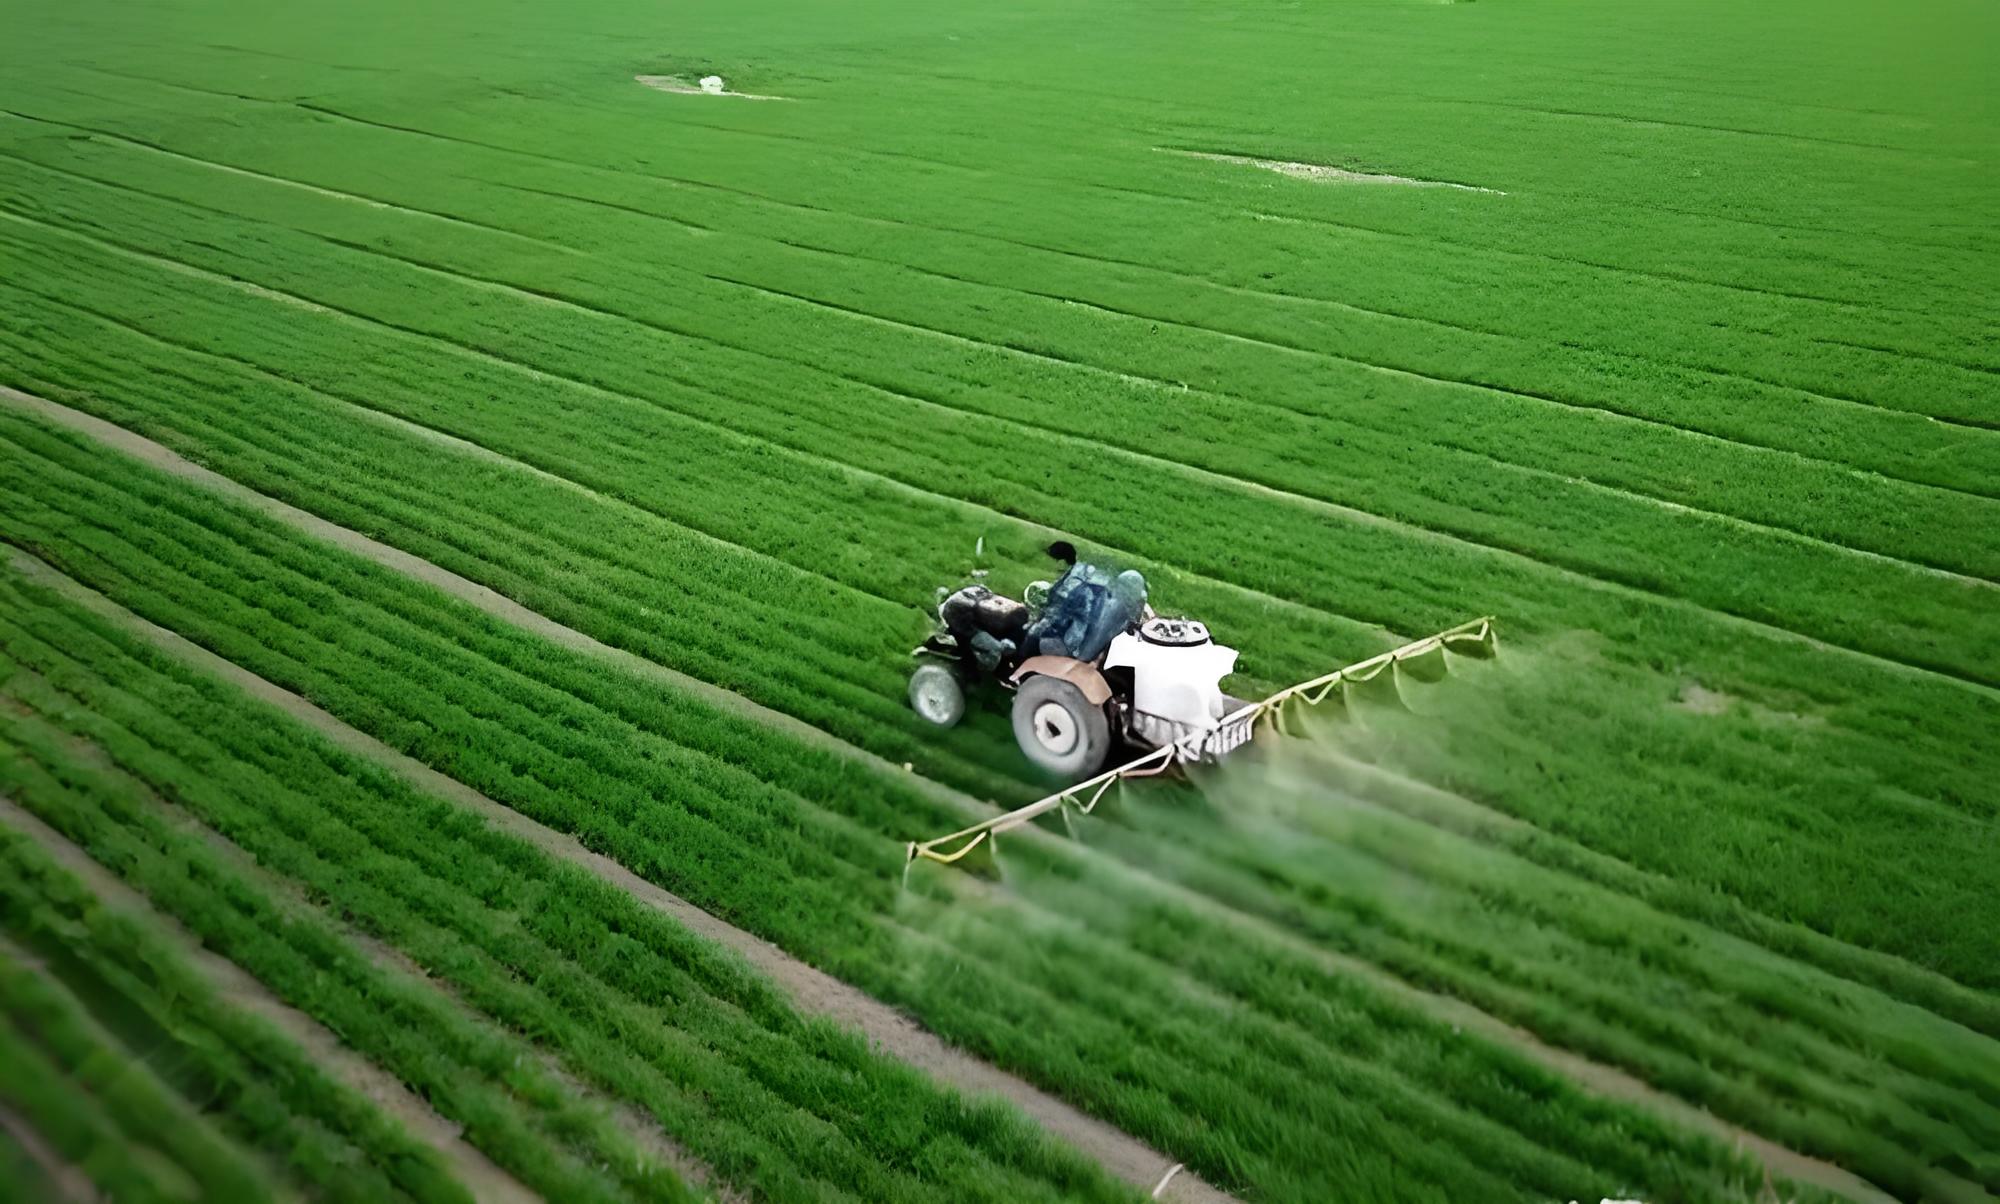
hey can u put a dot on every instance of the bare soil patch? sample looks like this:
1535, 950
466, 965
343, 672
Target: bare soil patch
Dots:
1697, 699
681, 87
1323, 173
1701, 700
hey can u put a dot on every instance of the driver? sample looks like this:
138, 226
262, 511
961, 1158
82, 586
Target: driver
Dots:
1085, 608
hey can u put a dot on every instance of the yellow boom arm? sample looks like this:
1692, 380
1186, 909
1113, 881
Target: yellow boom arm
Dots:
1474, 638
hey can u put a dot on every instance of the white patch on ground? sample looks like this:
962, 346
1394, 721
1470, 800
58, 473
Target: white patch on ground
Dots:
680, 87
1697, 699
1701, 700
1322, 174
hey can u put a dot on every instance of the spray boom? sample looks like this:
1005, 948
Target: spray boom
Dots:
1423, 660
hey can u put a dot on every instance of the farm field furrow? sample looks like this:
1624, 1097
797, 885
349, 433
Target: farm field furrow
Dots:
1300, 662
1006, 363
374, 448
1523, 380
1301, 665
469, 495
813, 920
187, 1036
898, 415
1788, 1074
340, 830
489, 123
1734, 244
1705, 1091
1969, 587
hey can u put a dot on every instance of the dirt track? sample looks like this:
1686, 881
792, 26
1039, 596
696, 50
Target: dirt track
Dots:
812, 990
486, 1181
818, 992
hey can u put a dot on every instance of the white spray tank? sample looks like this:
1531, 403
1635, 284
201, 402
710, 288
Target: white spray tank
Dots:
1177, 673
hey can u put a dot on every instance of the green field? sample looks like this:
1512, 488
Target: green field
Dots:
1667, 333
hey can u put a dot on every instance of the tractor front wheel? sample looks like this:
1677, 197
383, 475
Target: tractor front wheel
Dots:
1059, 730
936, 695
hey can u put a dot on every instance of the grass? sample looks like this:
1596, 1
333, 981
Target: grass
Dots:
153, 1085
630, 1003
716, 809
1699, 400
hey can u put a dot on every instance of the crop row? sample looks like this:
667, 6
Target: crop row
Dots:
1876, 606
528, 1123
100, 1106
1949, 609
1148, 209
323, 451
1263, 1053
1743, 1086
631, 1002
152, 1084
582, 560
1906, 740
986, 334
320, 454
1825, 1067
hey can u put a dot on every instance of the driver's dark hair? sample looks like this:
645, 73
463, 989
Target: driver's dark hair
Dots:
1063, 550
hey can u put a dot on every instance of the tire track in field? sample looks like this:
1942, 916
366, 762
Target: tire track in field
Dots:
455, 443
1987, 369
838, 467
1456, 246
1045, 85
1369, 365
1313, 416
810, 989
1161, 194
1461, 246
1346, 513
70, 1183
469, 1166
1171, 387
1819, 397
1403, 1104
1441, 324
1671, 123
1310, 415
1347, 226
644, 1134
1677, 83
476, 451
412, 130
1885, 973
967, 804
815, 990
491, 601
1102, 258
1202, 202
1066, 362
1206, 477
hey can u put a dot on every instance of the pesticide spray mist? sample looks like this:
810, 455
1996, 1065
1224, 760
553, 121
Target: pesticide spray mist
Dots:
1325, 825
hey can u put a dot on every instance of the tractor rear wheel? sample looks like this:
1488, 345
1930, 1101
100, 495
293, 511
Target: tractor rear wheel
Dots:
1059, 730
